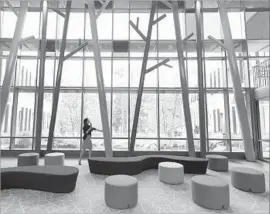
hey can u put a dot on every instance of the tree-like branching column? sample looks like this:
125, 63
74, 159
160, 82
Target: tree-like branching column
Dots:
62, 58
144, 69
99, 74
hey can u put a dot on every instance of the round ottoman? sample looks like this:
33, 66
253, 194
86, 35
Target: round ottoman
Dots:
217, 163
248, 179
56, 158
210, 192
121, 191
171, 173
28, 159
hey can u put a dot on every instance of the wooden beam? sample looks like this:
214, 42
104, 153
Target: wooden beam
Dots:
75, 51
157, 65
12, 8
58, 12
165, 2
187, 37
105, 4
219, 43
27, 39
159, 19
137, 30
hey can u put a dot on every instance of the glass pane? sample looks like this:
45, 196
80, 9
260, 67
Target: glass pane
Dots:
194, 110
91, 110
51, 25
243, 71
4, 143
166, 27
75, 26
121, 26
146, 145
237, 24
147, 124
31, 24
3, 70
8, 26
120, 73
68, 120
104, 33
191, 25
264, 119
6, 126
135, 73
192, 73
120, 115
98, 144
26, 72
120, 145
46, 117
173, 145
72, 73
215, 74
25, 115
23, 143
234, 120
105, 19
169, 77
219, 146
49, 72
265, 149
172, 121
216, 115
66, 144
197, 145
237, 146
212, 25
90, 79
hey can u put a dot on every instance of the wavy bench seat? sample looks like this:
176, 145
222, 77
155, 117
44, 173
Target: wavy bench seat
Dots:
138, 164
56, 179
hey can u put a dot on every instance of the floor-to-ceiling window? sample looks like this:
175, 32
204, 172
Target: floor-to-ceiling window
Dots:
161, 125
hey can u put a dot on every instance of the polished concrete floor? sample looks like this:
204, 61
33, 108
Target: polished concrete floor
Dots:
154, 196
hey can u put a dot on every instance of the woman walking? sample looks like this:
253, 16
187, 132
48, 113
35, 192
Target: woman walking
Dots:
87, 142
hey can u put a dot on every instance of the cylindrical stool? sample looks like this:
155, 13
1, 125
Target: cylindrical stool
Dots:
56, 158
248, 179
121, 191
210, 192
171, 173
28, 159
217, 163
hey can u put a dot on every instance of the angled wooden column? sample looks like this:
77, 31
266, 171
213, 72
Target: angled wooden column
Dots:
44, 6
238, 93
56, 91
100, 80
183, 79
198, 13
142, 77
11, 61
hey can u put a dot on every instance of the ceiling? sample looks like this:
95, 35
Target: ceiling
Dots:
146, 3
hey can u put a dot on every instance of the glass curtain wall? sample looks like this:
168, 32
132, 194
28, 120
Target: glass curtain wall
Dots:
161, 125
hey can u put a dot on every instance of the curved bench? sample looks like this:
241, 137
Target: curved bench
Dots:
136, 165
56, 179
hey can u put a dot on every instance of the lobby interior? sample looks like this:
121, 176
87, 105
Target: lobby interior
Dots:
180, 90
